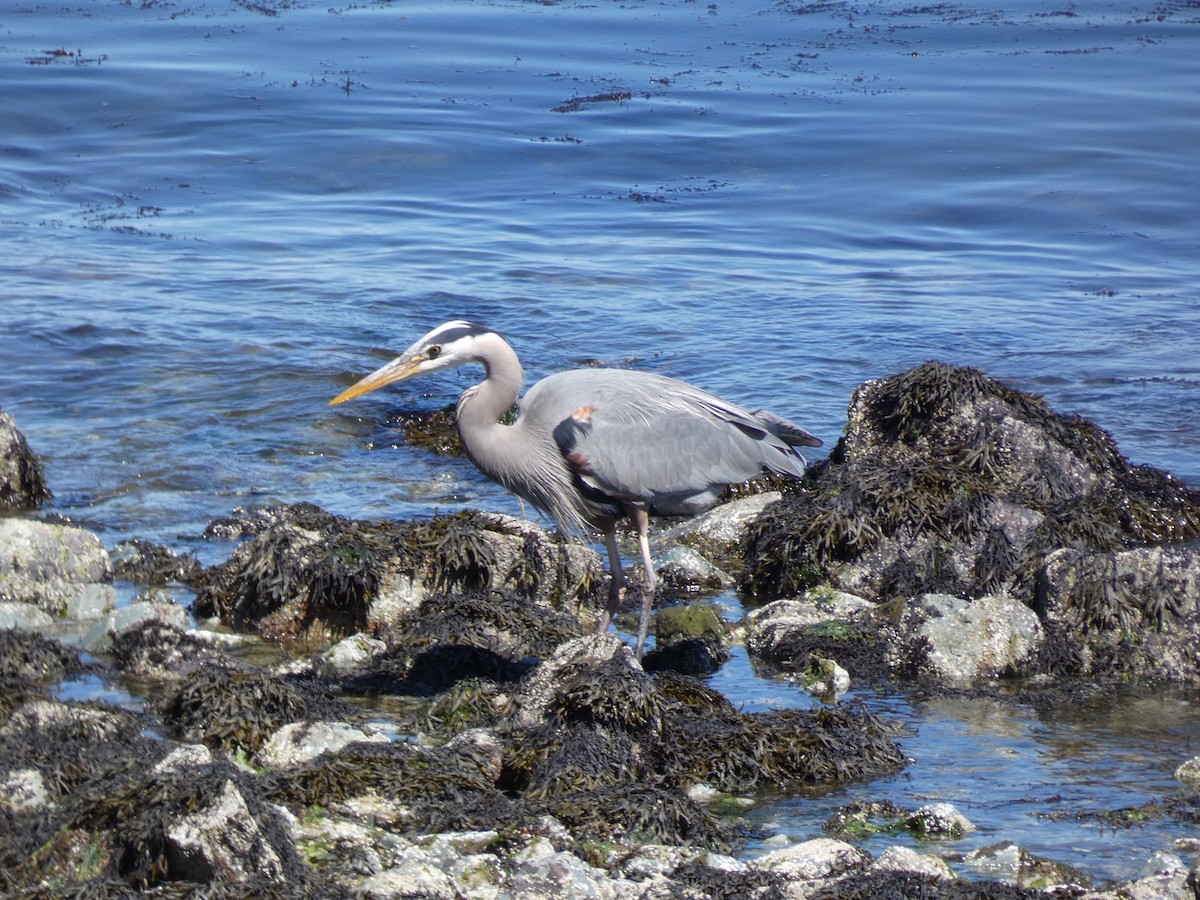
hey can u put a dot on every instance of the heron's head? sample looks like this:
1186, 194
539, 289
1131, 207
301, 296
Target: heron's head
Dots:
447, 346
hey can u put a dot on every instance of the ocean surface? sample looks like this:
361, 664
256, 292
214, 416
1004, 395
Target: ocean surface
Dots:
216, 215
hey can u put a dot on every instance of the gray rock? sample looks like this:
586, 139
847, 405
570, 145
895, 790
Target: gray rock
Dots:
811, 860
99, 638
222, 840
825, 678
60, 569
721, 528
540, 871
352, 655
939, 820
298, 742
980, 638
905, 859
23, 616
681, 568
22, 484
23, 790
185, 756
415, 874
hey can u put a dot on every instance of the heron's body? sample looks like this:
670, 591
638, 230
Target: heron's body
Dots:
590, 446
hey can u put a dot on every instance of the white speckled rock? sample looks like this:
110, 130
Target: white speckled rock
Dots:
810, 860
982, 638
905, 859
298, 742
62, 570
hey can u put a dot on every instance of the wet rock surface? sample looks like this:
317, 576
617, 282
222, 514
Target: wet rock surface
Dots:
22, 482
434, 718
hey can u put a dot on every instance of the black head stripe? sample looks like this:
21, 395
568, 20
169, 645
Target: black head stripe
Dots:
454, 331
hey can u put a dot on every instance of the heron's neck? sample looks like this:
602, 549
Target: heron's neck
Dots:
481, 407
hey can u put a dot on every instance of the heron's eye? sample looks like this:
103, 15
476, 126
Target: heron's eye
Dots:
434, 352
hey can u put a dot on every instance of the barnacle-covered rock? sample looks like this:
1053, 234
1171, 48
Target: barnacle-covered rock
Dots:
1132, 611
951, 482
29, 658
312, 568
61, 569
153, 650
420, 790
990, 636
22, 484
144, 562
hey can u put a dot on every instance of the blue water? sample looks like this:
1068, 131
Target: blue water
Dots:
215, 215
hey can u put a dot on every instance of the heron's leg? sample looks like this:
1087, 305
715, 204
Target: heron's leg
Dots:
641, 520
616, 587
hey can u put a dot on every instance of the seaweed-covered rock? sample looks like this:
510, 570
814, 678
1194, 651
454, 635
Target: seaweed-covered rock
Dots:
800, 637
144, 562
459, 645
561, 685
950, 482
238, 710
309, 568
589, 721
61, 569
22, 484
26, 657
154, 650
101, 635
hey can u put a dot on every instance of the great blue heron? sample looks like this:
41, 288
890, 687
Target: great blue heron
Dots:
592, 445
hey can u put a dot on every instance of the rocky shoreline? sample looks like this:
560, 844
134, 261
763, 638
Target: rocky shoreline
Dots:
960, 534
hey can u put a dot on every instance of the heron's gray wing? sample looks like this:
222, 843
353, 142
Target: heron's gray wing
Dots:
642, 437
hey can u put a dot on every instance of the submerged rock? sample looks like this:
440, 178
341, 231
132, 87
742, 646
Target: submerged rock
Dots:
949, 482
22, 484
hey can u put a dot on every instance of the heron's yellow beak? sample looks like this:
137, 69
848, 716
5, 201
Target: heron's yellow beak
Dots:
397, 370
